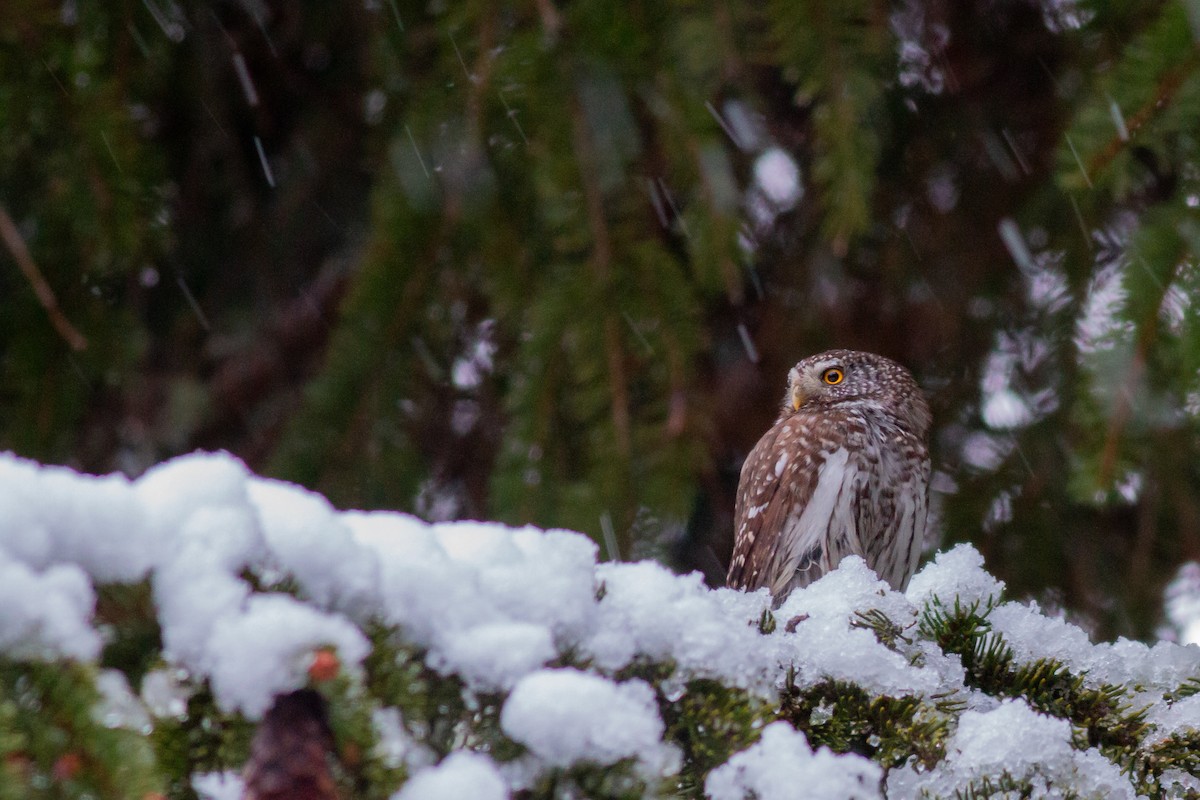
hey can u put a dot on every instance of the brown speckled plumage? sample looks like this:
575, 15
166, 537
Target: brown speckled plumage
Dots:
844, 471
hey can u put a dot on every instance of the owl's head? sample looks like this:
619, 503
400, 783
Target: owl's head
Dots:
854, 378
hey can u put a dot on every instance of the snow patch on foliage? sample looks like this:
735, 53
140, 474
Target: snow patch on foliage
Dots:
46, 615
306, 539
494, 656
1180, 719
219, 786
1013, 741
955, 575
830, 642
566, 716
54, 515
648, 611
1033, 636
1182, 601
460, 775
250, 576
265, 650
782, 766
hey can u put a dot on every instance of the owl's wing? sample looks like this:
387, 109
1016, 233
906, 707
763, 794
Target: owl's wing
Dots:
821, 527
796, 487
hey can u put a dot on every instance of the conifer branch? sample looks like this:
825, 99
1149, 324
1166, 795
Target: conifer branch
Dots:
1168, 87
45, 295
601, 262
480, 76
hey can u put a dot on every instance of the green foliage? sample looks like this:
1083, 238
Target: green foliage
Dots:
204, 739
1179, 752
573, 188
362, 771
960, 630
847, 719
615, 782
710, 722
1188, 688
1103, 716
432, 705
837, 54
52, 745
1146, 99
135, 639
566, 185
887, 632
87, 195
1102, 713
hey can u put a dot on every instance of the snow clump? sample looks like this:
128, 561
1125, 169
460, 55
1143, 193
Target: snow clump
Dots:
782, 766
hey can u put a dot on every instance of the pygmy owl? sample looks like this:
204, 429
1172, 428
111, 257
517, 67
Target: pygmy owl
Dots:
844, 471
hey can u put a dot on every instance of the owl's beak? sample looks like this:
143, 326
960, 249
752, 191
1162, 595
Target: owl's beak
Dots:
797, 398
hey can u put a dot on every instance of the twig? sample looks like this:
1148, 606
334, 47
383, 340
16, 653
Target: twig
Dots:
1168, 86
45, 295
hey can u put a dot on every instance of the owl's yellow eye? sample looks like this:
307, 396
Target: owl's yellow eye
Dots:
833, 376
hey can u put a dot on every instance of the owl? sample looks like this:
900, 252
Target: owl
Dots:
844, 471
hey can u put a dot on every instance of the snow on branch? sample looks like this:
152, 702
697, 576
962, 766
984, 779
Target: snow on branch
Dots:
472, 659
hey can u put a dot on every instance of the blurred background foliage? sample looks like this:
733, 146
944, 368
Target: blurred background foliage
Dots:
548, 262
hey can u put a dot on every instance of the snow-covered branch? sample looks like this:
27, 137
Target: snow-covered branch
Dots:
475, 660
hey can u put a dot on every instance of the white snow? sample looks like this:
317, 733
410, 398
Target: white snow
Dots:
494, 656
54, 515
1099, 326
170, 492
827, 645
307, 540
460, 775
164, 693
218, 786
395, 746
566, 716
1033, 636
957, 573
118, 706
1155, 670
782, 766
1005, 410
991, 741
648, 611
1181, 718
265, 650
1182, 603
778, 177
1177, 783
44, 615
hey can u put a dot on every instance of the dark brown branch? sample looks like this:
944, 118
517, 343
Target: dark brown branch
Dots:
289, 757
45, 295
